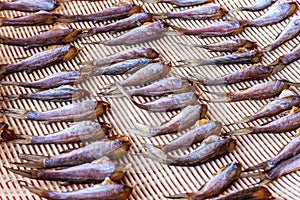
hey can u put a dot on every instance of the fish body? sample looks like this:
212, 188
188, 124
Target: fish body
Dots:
288, 33
277, 13
249, 73
183, 3
84, 131
29, 5
208, 11
36, 19
53, 37
185, 119
89, 109
252, 193
94, 151
259, 5
123, 24
144, 33
216, 185
52, 81
94, 172
40, 60
119, 11
218, 29
195, 135
289, 57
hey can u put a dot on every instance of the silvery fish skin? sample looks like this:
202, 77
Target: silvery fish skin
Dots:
200, 155
183, 3
290, 150
35, 19
145, 33
277, 13
185, 119
245, 74
52, 37
259, 5
86, 110
193, 136
288, 58
94, 172
118, 11
122, 25
60, 94
208, 11
40, 60
110, 191
288, 33
214, 186
52, 81
84, 131
94, 151
217, 29
252, 193
29, 5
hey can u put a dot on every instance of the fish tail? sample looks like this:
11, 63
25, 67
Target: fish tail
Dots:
291, 83
277, 66
242, 131
155, 153
160, 16
243, 120
149, 1
179, 196
219, 100
16, 113
22, 139
7, 83
34, 161
253, 175
141, 130
26, 173
86, 67
38, 191
262, 165
11, 97
122, 89
108, 89
189, 63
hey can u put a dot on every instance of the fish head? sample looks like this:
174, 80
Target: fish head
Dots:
122, 145
73, 51
6, 133
127, 190
102, 107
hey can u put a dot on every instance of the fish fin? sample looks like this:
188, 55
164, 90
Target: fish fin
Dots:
26, 173
262, 165
242, 131
108, 89
208, 140
154, 153
264, 181
38, 191
101, 160
179, 196
16, 113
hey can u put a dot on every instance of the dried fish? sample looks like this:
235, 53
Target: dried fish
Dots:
96, 150
40, 60
259, 5
164, 104
84, 131
145, 33
89, 109
288, 33
243, 56
124, 67
216, 185
284, 124
148, 74
58, 36
94, 172
52, 81
35, 19
288, 58
228, 45
185, 119
202, 129
118, 11
225, 28
277, 13
282, 168
6, 134
123, 24
128, 54
60, 94
290, 150
286, 101
29, 5
181, 3
245, 74
208, 11
200, 155
100, 191
257, 92
252, 193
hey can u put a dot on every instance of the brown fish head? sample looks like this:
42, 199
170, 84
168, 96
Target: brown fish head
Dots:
73, 51
127, 190
122, 144
6, 133
102, 107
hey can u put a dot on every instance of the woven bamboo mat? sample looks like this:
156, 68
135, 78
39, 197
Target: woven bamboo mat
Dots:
154, 181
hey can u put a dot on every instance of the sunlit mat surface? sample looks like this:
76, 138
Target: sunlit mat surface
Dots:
153, 180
